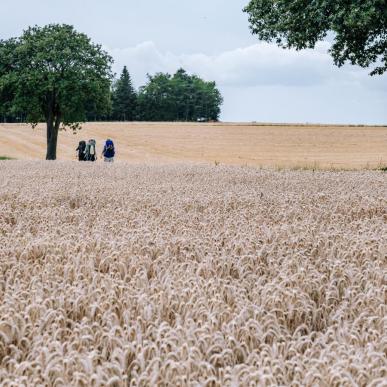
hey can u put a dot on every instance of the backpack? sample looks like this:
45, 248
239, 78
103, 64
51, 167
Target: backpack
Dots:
81, 147
109, 149
90, 152
92, 148
81, 150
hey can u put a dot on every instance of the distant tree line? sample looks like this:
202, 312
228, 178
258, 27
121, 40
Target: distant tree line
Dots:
180, 97
165, 97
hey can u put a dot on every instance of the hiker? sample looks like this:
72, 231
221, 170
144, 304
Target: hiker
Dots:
91, 152
81, 151
108, 151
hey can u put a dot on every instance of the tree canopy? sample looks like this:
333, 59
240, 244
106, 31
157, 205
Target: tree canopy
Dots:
359, 27
54, 73
178, 97
124, 98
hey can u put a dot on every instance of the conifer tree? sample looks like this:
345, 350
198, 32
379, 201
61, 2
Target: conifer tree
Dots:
124, 98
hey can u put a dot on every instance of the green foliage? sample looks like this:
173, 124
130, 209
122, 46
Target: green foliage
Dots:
53, 73
359, 27
181, 97
124, 98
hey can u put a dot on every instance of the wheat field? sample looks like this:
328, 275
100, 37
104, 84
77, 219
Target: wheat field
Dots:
191, 275
294, 146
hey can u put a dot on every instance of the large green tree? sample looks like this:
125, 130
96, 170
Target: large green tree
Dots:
54, 73
359, 27
181, 97
156, 101
124, 98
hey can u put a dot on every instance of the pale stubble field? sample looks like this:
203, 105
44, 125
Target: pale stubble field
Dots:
286, 146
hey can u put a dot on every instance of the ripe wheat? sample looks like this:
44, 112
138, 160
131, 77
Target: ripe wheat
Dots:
191, 275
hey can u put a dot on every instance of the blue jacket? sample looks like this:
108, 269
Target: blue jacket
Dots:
108, 149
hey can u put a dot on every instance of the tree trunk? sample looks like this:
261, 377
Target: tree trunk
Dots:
52, 137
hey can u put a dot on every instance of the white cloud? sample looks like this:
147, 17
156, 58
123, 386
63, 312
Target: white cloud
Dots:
258, 64
261, 64
142, 59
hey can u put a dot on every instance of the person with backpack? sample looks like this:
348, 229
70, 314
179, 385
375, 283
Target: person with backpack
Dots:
108, 152
81, 151
91, 150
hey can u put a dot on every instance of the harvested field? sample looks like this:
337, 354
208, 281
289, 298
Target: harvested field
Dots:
295, 146
191, 275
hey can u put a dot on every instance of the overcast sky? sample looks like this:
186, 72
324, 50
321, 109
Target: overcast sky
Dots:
259, 82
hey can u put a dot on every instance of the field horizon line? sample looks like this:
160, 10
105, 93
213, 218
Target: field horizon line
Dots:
221, 123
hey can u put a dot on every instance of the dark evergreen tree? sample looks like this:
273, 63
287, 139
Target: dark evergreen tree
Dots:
124, 98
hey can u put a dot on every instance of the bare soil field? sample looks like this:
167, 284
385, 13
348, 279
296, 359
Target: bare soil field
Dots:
184, 274
293, 146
